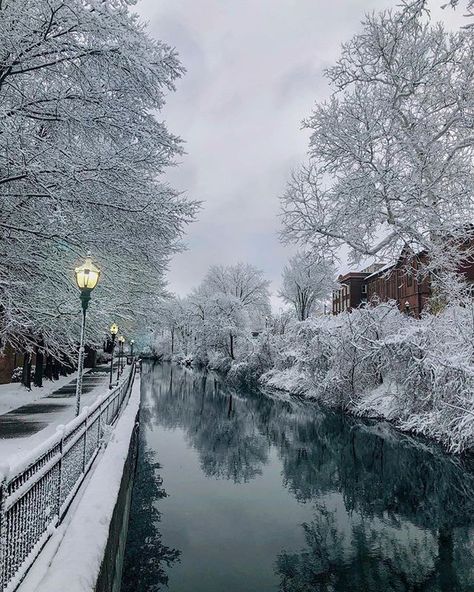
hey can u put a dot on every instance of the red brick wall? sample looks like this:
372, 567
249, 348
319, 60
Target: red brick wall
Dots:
8, 362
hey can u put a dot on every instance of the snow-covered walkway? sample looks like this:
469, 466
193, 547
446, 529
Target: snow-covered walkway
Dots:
72, 558
24, 427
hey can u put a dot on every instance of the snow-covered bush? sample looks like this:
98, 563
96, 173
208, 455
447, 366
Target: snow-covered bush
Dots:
259, 360
218, 362
17, 374
378, 361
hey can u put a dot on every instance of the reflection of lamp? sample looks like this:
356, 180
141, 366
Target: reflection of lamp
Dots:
87, 276
113, 332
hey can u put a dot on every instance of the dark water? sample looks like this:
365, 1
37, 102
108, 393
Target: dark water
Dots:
253, 494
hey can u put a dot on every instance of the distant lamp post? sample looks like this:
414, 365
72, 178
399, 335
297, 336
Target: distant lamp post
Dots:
87, 276
121, 341
113, 332
132, 343
407, 308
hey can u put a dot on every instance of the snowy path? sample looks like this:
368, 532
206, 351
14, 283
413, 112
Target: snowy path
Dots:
13, 395
71, 560
27, 426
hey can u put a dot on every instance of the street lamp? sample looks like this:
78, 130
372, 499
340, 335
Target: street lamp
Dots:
132, 343
121, 341
407, 308
113, 332
87, 276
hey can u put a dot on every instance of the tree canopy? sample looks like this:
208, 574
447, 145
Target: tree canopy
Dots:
81, 156
391, 150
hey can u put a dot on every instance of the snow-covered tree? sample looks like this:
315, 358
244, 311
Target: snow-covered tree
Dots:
239, 299
217, 319
81, 154
391, 151
243, 281
306, 282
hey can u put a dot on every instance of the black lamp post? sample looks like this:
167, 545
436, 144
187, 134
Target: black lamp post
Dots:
87, 276
121, 341
113, 332
132, 343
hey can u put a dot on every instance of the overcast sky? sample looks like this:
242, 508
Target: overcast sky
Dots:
254, 71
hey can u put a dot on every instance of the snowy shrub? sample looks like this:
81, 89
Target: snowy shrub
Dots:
377, 361
17, 374
257, 362
218, 362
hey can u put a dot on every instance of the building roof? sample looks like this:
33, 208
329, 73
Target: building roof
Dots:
352, 274
381, 271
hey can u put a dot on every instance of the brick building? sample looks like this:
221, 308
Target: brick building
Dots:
353, 290
400, 281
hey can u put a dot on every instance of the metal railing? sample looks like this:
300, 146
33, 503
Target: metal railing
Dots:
35, 494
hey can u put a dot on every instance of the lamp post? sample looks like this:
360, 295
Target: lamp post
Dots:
87, 276
113, 332
407, 308
121, 341
132, 343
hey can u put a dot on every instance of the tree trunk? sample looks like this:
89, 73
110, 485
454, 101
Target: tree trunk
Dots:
39, 367
48, 369
26, 375
55, 370
172, 341
231, 343
62, 368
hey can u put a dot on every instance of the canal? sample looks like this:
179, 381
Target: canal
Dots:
240, 492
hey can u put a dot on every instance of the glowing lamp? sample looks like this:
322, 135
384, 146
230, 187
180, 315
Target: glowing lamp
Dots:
87, 275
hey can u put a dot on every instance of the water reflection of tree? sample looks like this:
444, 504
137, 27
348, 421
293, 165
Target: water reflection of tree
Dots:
385, 482
146, 556
370, 558
377, 472
218, 425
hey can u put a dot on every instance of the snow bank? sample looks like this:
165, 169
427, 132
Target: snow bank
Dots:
72, 558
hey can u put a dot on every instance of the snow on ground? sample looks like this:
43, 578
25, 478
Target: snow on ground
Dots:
290, 380
72, 557
14, 394
12, 450
380, 402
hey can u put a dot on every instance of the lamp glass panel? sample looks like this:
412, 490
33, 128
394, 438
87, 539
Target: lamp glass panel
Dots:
87, 275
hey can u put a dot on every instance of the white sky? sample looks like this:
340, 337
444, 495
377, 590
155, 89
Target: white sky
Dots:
254, 71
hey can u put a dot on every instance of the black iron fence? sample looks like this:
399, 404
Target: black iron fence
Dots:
35, 494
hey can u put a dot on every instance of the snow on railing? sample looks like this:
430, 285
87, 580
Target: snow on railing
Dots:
36, 493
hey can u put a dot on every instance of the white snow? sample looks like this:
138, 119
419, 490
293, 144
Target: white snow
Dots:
71, 559
15, 395
14, 450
